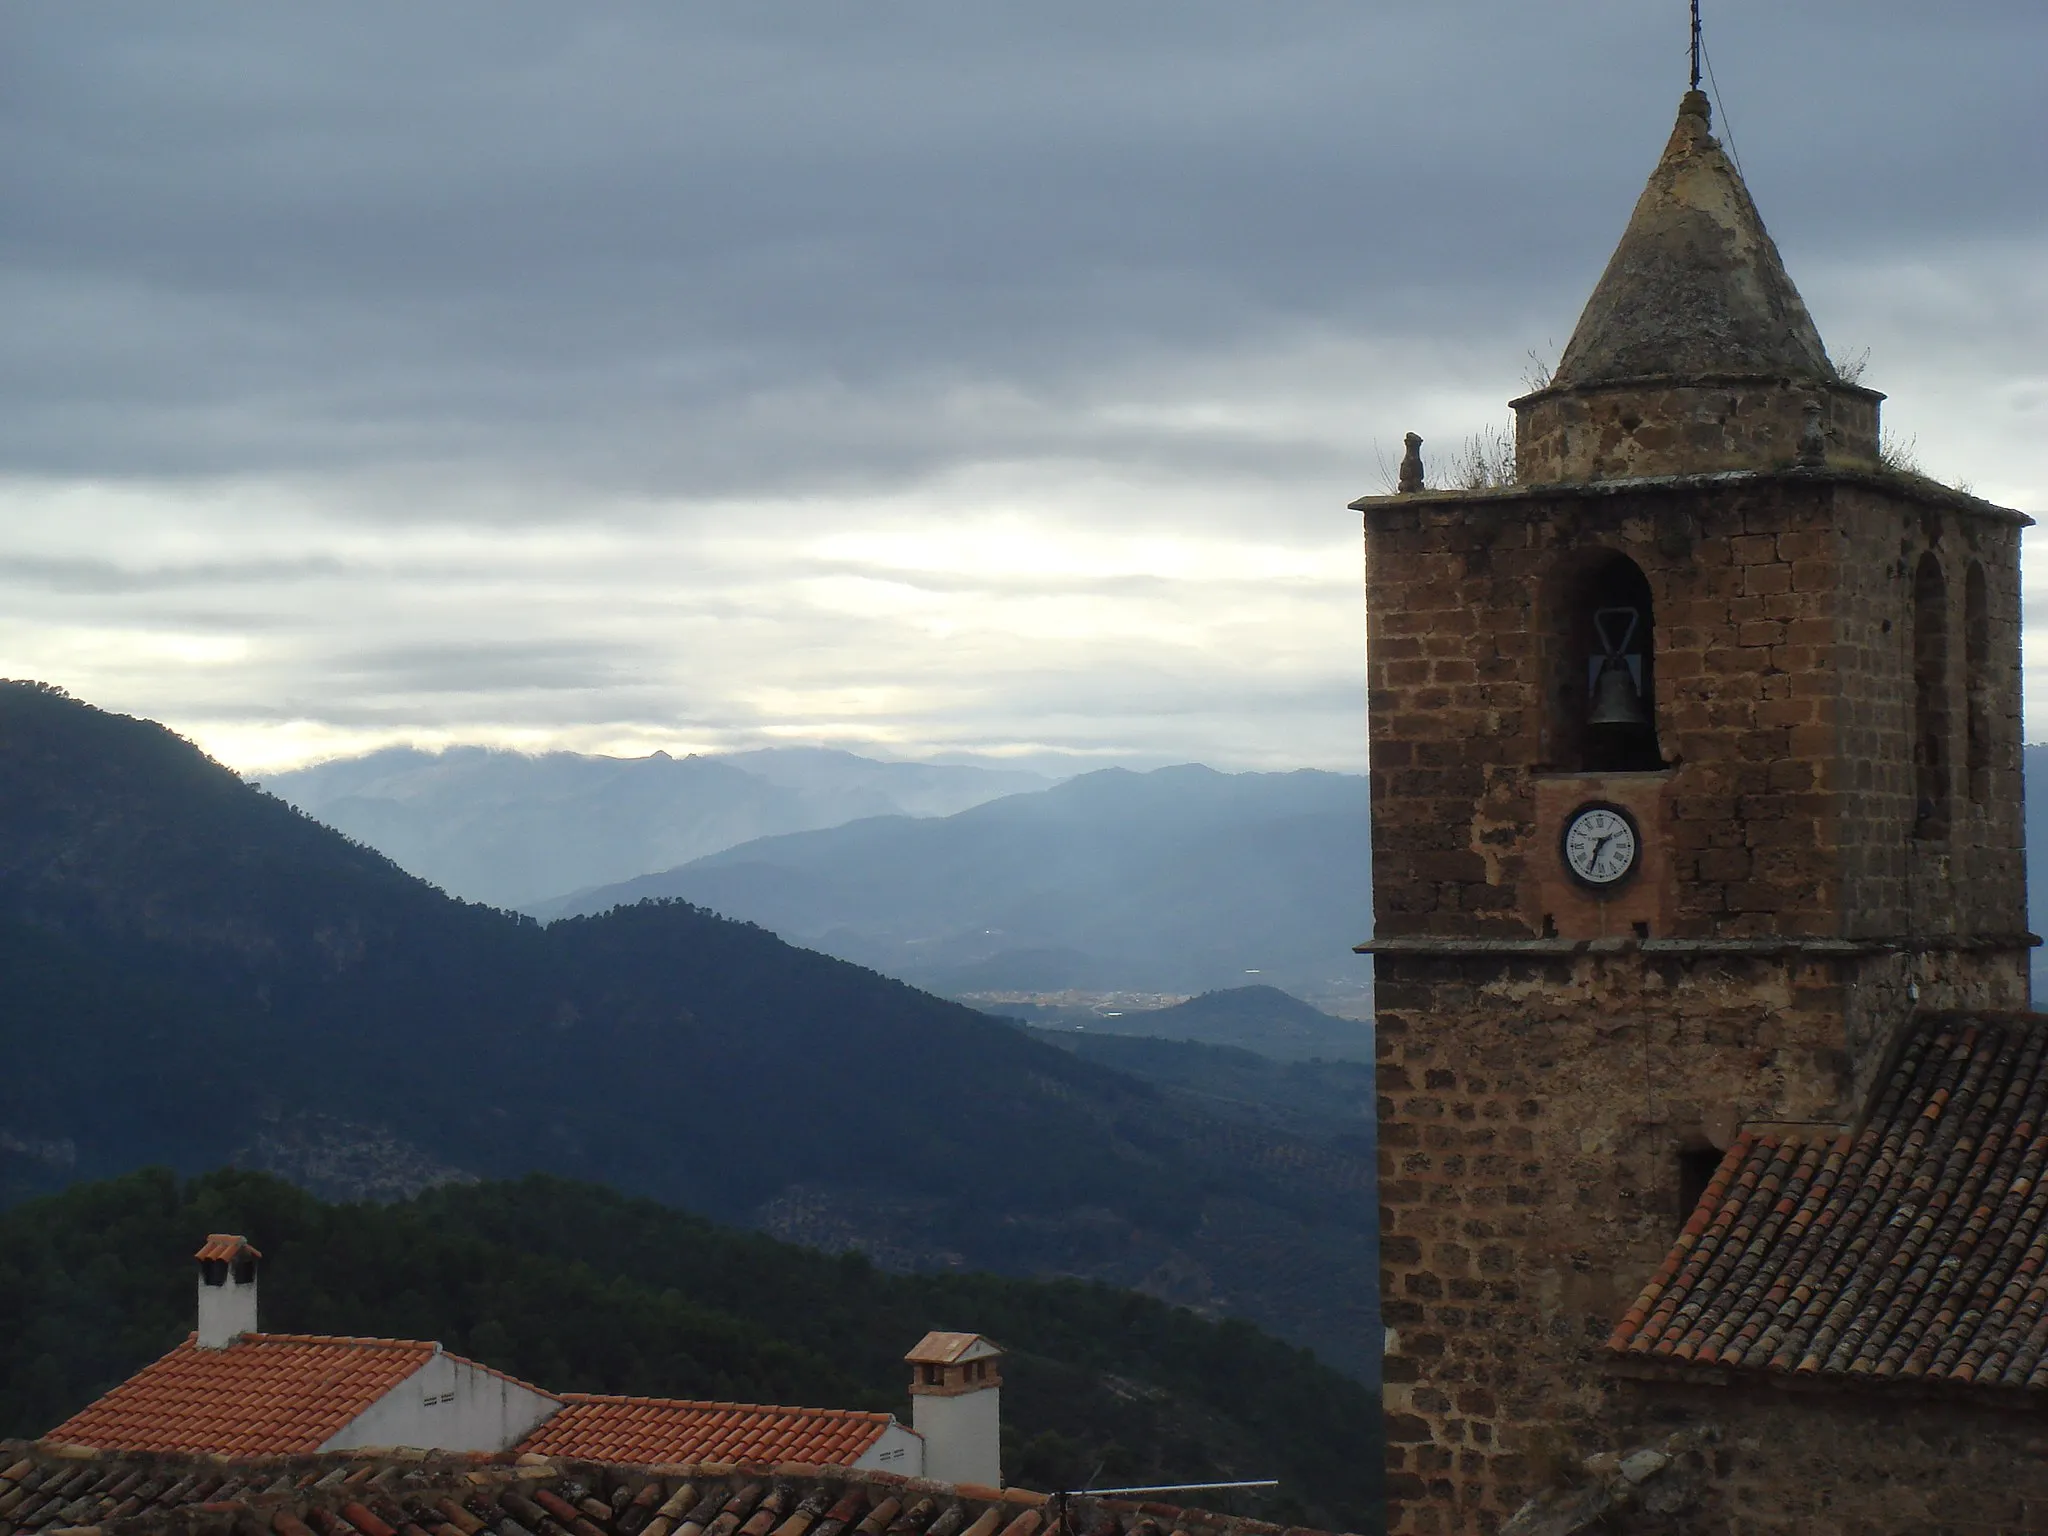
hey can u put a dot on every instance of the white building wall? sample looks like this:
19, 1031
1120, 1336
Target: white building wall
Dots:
448, 1404
226, 1311
963, 1435
898, 1450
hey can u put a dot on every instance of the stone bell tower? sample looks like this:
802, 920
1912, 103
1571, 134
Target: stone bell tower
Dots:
1695, 771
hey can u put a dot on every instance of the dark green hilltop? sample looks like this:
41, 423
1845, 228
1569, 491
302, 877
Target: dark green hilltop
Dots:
577, 1288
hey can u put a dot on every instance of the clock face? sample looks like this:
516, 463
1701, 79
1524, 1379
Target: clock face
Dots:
1600, 846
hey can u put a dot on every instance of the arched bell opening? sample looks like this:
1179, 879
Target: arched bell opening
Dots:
1603, 710
1930, 700
1977, 683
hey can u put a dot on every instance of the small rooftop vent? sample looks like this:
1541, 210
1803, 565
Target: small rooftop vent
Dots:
227, 1289
956, 1404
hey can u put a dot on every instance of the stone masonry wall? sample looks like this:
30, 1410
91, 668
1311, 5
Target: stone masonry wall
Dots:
1462, 623
1849, 1463
1783, 702
1652, 427
1532, 1113
1535, 1098
1971, 881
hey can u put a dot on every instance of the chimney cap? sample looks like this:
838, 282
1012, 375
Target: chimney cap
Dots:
226, 1248
952, 1349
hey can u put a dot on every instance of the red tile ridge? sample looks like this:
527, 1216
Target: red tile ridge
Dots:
352, 1341
227, 1247
711, 1406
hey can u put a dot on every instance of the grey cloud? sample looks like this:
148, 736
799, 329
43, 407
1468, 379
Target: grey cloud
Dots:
706, 248
1132, 585
625, 282
81, 576
484, 665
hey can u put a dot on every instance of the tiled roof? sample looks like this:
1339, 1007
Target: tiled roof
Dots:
945, 1348
265, 1394
227, 1247
432, 1494
1915, 1250
651, 1429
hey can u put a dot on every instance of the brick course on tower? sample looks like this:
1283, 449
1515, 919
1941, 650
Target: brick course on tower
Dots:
1812, 735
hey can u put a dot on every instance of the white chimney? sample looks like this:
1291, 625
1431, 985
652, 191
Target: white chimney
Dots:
227, 1289
956, 1404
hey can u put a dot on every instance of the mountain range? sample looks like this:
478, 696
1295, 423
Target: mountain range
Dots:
199, 974
1179, 880
1260, 1019
511, 828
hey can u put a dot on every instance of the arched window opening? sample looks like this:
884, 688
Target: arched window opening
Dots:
1977, 683
1604, 716
1930, 700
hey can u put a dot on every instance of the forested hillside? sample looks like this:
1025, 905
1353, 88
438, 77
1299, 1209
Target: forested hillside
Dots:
579, 1289
1257, 1018
1328, 1101
197, 974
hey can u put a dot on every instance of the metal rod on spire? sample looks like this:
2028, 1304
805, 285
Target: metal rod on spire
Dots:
1695, 44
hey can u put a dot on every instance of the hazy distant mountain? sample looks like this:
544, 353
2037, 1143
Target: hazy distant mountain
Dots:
1182, 879
509, 828
1261, 1019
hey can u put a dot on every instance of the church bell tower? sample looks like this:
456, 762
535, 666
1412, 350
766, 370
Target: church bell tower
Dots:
1695, 773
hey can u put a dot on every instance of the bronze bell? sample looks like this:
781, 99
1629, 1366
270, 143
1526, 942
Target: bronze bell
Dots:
1616, 699
1617, 685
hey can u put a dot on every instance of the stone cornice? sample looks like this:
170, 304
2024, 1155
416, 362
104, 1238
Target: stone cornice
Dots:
1878, 479
1434, 947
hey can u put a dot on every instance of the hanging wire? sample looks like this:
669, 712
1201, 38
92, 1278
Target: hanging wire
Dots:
1721, 113
1257, 1482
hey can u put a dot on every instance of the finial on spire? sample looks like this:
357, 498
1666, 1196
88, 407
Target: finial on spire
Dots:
1695, 44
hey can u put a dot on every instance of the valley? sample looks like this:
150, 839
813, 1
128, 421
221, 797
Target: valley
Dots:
177, 939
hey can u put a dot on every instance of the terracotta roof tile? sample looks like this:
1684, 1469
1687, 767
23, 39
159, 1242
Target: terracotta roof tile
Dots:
1913, 1250
227, 1247
265, 1394
944, 1348
648, 1430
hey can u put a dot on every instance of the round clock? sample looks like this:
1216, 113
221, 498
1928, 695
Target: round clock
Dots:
1600, 845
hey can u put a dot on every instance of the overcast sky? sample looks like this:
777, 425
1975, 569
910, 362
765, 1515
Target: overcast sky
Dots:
924, 378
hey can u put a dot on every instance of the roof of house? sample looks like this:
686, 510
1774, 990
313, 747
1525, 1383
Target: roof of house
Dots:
947, 1348
265, 1394
1913, 1250
227, 1247
380, 1494
1696, 285
651, 1429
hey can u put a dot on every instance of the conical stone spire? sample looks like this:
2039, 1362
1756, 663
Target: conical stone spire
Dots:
1695, 352
1696, 286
